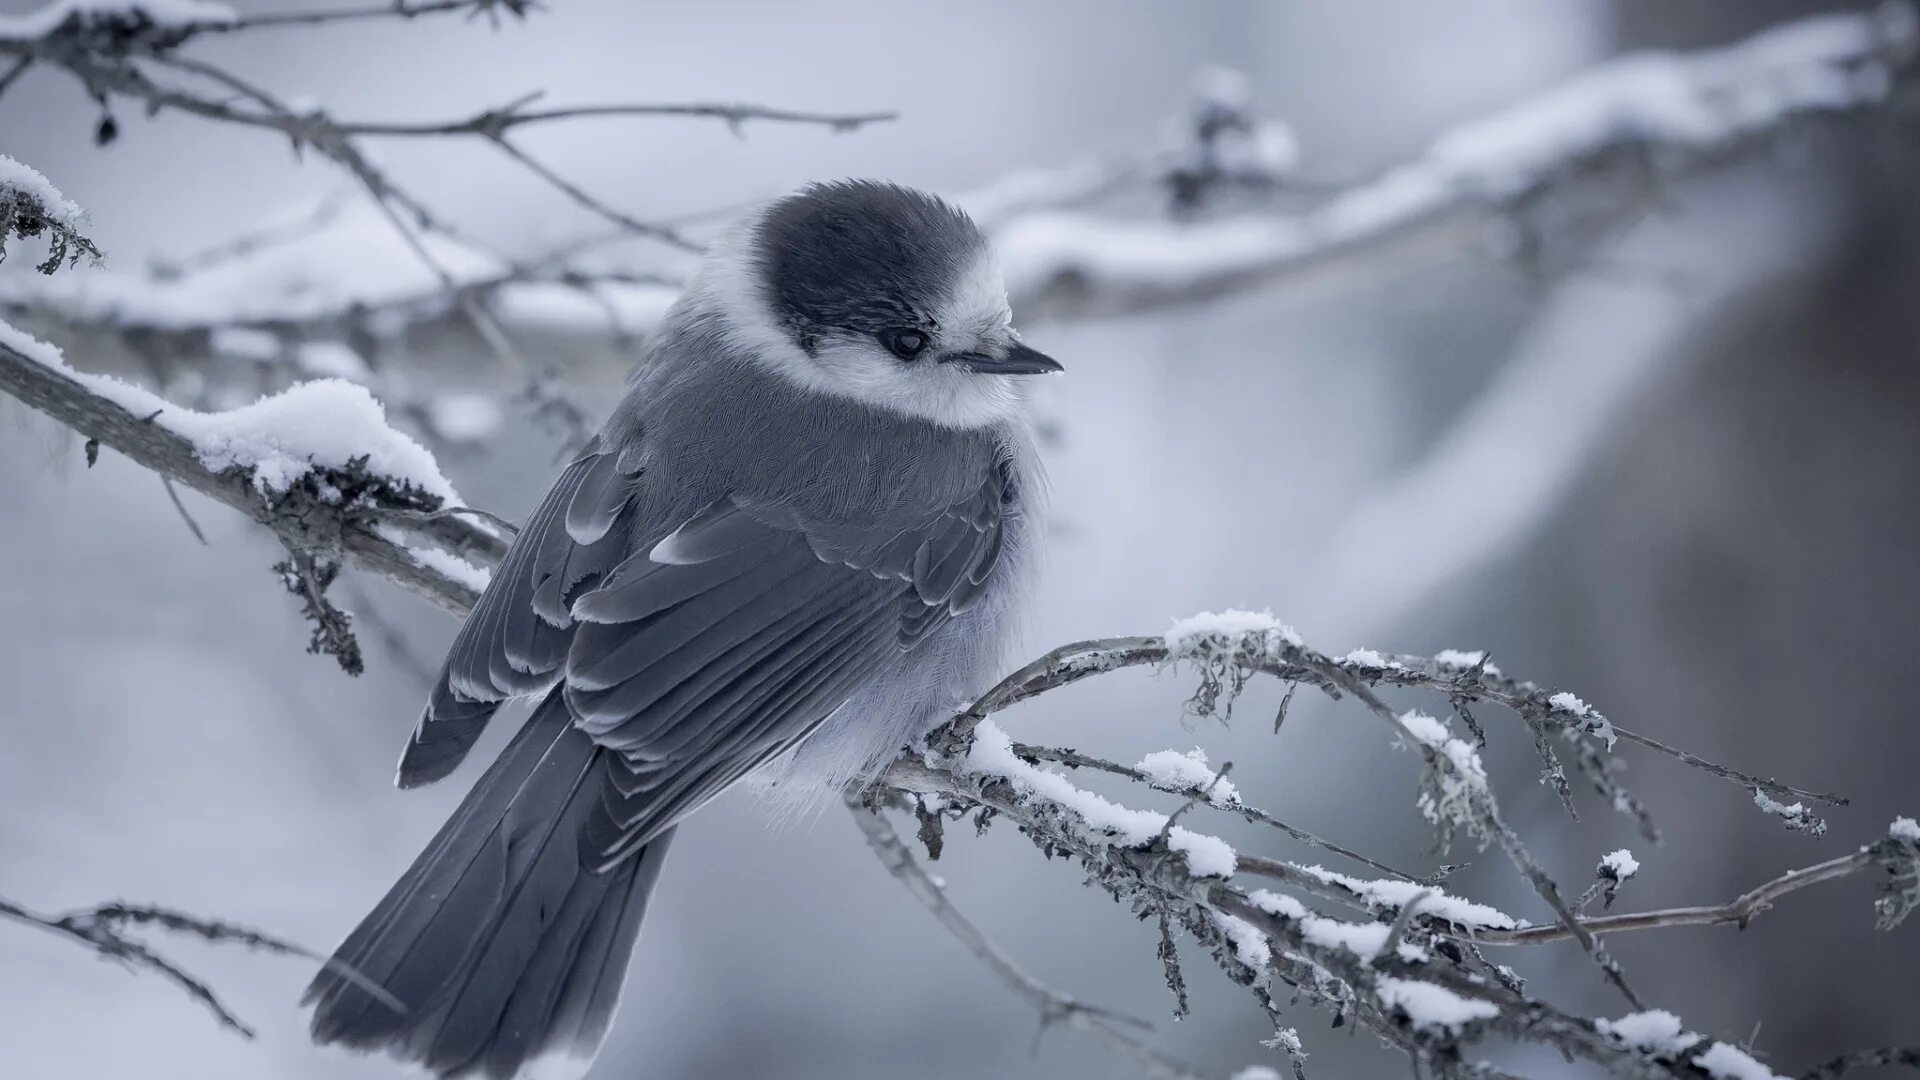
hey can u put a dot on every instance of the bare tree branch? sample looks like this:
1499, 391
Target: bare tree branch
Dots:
104, 929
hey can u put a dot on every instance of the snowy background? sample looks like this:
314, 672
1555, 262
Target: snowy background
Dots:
1677, 473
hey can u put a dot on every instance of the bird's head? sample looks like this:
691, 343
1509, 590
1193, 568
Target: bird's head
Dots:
878, 293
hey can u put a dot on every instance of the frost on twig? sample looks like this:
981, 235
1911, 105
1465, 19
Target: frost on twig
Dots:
1453, 786
1795, 816
1415, 976
31, 208
1226, 648
1614, 870
1899, 855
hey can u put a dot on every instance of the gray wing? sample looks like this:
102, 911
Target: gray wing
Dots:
744, 629
517, 635
703, 657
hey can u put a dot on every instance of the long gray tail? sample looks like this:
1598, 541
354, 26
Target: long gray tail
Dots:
499, 944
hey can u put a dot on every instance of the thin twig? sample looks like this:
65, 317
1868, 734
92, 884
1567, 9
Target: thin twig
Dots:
1054, 1007
100, 929
1738, 910
173, 496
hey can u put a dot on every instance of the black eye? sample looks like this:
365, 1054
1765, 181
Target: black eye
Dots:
903, 342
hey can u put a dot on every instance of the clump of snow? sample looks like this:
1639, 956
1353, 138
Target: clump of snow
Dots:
1570, 703
1425, 729
1258, 1072
1280, 904
1249, 944
1724, 1061
1619, 865
1361, 939
1799, 817
280, 438
1432, 1008
992, 755
1588, 716
1207, 856
1187, 773
1372, 659
1227, 630
1390, 895
1655, 1031
1905, 828
158, 13
323, 424
1465, 660
448, 565
25, 180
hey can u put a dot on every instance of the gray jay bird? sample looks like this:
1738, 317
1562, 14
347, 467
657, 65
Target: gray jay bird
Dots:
802, 532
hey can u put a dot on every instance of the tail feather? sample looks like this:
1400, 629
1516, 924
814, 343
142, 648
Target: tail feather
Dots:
501, 944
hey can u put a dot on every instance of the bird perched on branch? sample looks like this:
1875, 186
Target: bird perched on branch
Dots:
796, 544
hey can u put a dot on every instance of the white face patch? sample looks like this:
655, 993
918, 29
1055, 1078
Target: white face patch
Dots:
977, 318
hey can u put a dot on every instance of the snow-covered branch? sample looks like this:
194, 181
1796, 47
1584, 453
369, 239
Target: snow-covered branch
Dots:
317, 465
1414, 974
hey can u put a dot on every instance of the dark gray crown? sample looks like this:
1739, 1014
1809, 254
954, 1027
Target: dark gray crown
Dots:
862, 256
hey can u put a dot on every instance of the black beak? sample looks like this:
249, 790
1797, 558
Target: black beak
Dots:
1019, 360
